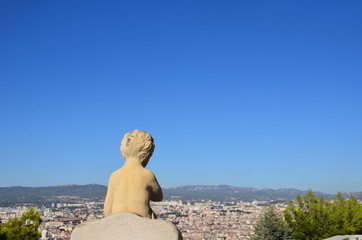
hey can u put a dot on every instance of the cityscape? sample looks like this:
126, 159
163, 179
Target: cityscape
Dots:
200, 212
204, 219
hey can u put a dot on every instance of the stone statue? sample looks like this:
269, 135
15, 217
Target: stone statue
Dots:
127, 206
131, 187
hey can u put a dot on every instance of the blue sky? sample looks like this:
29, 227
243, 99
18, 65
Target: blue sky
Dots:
263, 94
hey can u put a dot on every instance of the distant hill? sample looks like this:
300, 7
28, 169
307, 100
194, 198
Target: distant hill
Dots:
40, 195
225, 192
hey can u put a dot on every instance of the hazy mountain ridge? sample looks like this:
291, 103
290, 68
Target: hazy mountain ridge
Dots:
226, 192
43, 194
11, 195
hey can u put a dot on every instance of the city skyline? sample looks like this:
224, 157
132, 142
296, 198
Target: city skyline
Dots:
264, 95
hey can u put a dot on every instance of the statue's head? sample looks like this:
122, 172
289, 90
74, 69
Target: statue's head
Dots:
137, 144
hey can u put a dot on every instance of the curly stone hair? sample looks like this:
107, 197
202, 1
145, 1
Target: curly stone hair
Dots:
138, 144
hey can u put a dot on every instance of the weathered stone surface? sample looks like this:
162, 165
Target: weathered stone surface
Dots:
126, 226
131, 187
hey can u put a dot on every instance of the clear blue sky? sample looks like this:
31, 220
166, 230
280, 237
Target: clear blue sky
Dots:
264, 94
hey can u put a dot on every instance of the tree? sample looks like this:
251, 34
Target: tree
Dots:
2, 235
345, 216
271, 226
316, 218
25, 228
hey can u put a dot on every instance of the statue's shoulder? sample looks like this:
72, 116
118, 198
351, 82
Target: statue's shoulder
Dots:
117, 172
149, 174
115, 175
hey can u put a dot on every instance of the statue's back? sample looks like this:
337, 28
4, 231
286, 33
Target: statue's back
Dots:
130, 191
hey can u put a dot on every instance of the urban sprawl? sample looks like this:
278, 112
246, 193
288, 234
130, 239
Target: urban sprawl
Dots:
195, 219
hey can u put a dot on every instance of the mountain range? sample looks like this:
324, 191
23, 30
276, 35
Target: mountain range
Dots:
39, 195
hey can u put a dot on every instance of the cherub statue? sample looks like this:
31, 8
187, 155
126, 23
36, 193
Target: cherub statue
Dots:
131, 187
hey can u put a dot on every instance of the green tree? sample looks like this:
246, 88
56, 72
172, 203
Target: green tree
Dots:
307, 217
316, 218
271, 226
345, 216
25, 228
2, 235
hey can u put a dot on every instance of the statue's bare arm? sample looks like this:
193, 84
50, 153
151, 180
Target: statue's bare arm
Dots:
109, 198
156, 191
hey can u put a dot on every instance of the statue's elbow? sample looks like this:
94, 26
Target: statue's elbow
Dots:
161, 197
157, 197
